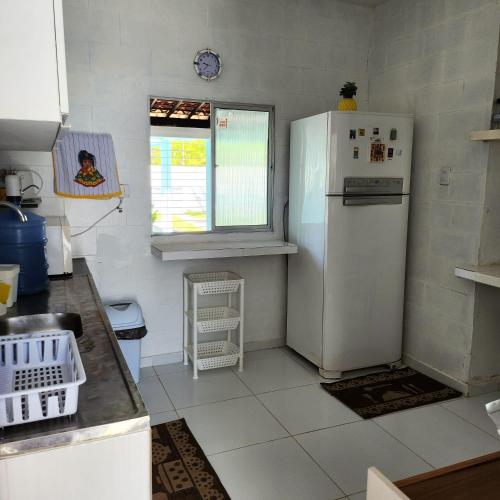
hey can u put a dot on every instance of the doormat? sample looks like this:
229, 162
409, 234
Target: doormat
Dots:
180, 468
382, 393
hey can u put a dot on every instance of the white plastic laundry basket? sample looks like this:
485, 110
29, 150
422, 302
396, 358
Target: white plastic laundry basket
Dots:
218, 354
216, 319
215, 283
40, 374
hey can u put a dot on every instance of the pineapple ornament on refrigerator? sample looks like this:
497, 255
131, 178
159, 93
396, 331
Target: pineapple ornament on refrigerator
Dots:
347, 102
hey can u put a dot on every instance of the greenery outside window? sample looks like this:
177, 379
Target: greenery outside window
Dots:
211, 170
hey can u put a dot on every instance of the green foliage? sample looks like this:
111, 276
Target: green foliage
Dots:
348, 90
155, 216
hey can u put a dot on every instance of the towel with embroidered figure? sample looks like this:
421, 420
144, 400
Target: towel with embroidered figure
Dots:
85, 166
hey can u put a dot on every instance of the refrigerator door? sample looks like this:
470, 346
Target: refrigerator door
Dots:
369, 145
308, 166
364, 281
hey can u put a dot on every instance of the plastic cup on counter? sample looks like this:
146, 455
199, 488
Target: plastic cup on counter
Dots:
9, 274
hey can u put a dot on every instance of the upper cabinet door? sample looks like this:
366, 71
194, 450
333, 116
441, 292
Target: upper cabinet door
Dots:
61, 59
34, 89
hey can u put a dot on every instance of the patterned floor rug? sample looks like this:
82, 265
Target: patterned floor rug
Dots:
381, 393
181, 471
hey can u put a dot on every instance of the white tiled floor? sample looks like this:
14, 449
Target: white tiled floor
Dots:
276, 470
345, 453
425, 429
211, 386
292, 407
154, 395
271, 432
472, 409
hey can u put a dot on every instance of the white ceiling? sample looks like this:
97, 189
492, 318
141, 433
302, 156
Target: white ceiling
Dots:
368, 3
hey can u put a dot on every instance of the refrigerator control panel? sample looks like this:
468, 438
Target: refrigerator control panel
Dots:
381, 185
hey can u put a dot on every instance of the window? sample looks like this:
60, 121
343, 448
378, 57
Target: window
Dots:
211, 166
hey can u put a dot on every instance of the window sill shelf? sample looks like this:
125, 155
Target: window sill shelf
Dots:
486, 274
217, 250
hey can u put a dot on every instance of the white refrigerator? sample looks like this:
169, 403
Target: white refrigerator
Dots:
348, 213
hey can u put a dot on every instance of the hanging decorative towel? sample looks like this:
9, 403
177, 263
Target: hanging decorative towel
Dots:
85, 166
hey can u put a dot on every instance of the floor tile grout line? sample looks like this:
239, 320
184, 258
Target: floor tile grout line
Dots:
265, 407
282, 439
273, 390
292, 436
272, 415
166, 393
206, 403
289, 356
321, 468
287, 388
358, 492
325, 428
162, 412
229, 371
180, 370
403, 444
246, 446
143, 380
283, 425
268, 410
413, 451
471, 423
254, 396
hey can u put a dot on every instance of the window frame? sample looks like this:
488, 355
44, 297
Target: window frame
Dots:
269, 108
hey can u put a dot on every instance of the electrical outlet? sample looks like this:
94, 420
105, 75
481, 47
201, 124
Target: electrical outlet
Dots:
125, 190
444, 176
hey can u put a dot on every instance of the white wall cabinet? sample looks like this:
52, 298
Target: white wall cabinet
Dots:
34, 91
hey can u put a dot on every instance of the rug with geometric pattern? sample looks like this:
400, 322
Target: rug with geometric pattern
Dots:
181, 471
386, 392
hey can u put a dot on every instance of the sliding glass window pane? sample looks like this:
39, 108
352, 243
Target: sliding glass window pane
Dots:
179, 180
241, 174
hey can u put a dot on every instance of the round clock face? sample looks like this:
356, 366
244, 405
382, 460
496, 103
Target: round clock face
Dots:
207, 64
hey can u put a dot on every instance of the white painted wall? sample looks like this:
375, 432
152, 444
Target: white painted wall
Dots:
434, 58
437, 59
295, 54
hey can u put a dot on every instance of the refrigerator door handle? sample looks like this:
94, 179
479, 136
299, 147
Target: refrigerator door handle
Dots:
356, 201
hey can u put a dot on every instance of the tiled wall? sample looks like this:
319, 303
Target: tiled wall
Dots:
437, 59
294, 54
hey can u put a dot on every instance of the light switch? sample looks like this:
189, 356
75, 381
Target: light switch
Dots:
444, 176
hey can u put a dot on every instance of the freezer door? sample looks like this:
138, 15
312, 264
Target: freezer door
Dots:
364, 281
353, 135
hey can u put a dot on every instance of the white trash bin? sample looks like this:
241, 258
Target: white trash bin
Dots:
128, 324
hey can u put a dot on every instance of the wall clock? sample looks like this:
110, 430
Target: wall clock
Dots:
207, 64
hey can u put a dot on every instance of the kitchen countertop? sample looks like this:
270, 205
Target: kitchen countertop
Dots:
109, 402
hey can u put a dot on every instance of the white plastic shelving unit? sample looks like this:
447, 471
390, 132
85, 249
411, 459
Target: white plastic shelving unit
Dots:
200, 321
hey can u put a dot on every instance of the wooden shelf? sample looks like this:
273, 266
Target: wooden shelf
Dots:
217, 250
485, 135
486, 274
